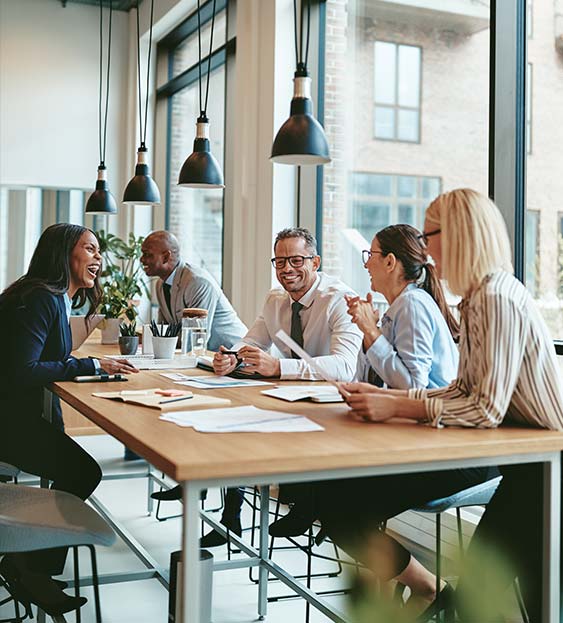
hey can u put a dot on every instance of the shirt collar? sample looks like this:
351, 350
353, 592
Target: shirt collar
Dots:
307, 299
170, 279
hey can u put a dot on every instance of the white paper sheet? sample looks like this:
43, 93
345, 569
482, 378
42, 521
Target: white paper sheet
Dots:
292, 344
246, 419
211, 382
291, 393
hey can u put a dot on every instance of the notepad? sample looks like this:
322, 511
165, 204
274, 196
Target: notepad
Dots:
246, 419
150, 398
316, 393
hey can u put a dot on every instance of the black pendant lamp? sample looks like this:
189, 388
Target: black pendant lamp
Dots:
201, 169
101, 201
142, 189
301, 140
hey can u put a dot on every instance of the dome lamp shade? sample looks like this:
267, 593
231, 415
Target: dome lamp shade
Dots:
101, 201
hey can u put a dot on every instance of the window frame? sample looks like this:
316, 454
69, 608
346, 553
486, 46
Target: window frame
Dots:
224, 55
396, 107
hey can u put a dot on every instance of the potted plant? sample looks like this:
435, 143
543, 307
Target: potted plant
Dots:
128, 340
122, 282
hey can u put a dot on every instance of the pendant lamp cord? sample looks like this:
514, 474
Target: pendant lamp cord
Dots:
143, 124
102, 142
203, 108
299, 46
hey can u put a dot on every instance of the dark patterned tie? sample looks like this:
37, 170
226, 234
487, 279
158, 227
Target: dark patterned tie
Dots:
166, 290
296, 327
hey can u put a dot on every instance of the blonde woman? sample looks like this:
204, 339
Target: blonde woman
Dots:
507, 373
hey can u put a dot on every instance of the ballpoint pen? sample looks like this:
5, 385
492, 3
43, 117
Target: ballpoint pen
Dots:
164, 402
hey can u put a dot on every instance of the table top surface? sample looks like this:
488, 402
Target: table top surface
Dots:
185, 454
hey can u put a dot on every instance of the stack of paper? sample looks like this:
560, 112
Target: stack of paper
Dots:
242, 420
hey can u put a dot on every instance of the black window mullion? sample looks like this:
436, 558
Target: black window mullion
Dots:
191, 75
189, 26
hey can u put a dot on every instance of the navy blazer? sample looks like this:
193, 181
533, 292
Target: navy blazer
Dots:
35, 351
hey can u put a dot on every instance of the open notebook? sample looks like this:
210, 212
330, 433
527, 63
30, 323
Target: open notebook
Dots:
165, 404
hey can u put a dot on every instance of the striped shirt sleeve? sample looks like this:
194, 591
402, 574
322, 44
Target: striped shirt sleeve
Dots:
498, 347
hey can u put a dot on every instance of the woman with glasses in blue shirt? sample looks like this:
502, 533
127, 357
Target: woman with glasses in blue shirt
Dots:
414, 346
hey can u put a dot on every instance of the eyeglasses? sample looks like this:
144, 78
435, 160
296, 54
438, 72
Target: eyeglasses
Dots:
425, 235
366, 255
296, 261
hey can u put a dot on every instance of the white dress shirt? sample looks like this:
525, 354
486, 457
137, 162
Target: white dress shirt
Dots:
328, 333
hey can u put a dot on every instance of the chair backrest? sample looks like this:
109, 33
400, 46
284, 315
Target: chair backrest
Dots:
32, 519
477, 495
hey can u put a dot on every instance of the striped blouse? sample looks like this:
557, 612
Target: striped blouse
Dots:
508, 367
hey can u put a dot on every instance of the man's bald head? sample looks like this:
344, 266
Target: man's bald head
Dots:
161, 253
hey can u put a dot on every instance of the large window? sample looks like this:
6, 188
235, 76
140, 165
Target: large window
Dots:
397, 91
25, 213
423, 81
195, 216
544, 183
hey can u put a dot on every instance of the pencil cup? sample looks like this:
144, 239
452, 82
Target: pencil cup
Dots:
164, 347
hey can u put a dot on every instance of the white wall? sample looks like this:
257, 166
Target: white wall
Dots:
49, 95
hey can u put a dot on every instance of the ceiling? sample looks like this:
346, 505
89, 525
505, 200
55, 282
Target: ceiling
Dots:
118, 5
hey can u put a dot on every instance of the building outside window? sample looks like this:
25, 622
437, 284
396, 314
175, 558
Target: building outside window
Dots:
381, 200
397, 83
531, 250
376, 50
544, 182
529, 92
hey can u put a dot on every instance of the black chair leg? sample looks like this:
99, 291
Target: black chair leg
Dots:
76, 581
309, 571
95, 583
438, 563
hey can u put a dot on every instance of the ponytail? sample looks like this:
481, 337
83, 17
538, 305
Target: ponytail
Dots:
432, 285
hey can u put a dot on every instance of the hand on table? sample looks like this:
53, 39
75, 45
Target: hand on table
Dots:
368, 402
117, 366
224, 364
257, 360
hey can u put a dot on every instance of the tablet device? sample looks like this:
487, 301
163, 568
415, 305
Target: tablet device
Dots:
81, 328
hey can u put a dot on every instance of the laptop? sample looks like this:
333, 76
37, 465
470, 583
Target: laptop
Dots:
80, 329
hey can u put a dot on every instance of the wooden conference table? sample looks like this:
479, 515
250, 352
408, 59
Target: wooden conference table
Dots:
345, 449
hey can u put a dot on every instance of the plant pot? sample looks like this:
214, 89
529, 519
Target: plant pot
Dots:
164, 347
110, 330
128, 344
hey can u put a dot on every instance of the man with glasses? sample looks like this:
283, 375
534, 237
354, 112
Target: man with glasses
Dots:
310, 306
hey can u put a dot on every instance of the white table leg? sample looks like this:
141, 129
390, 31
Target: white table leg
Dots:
190, 597
263, 549
551, 539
